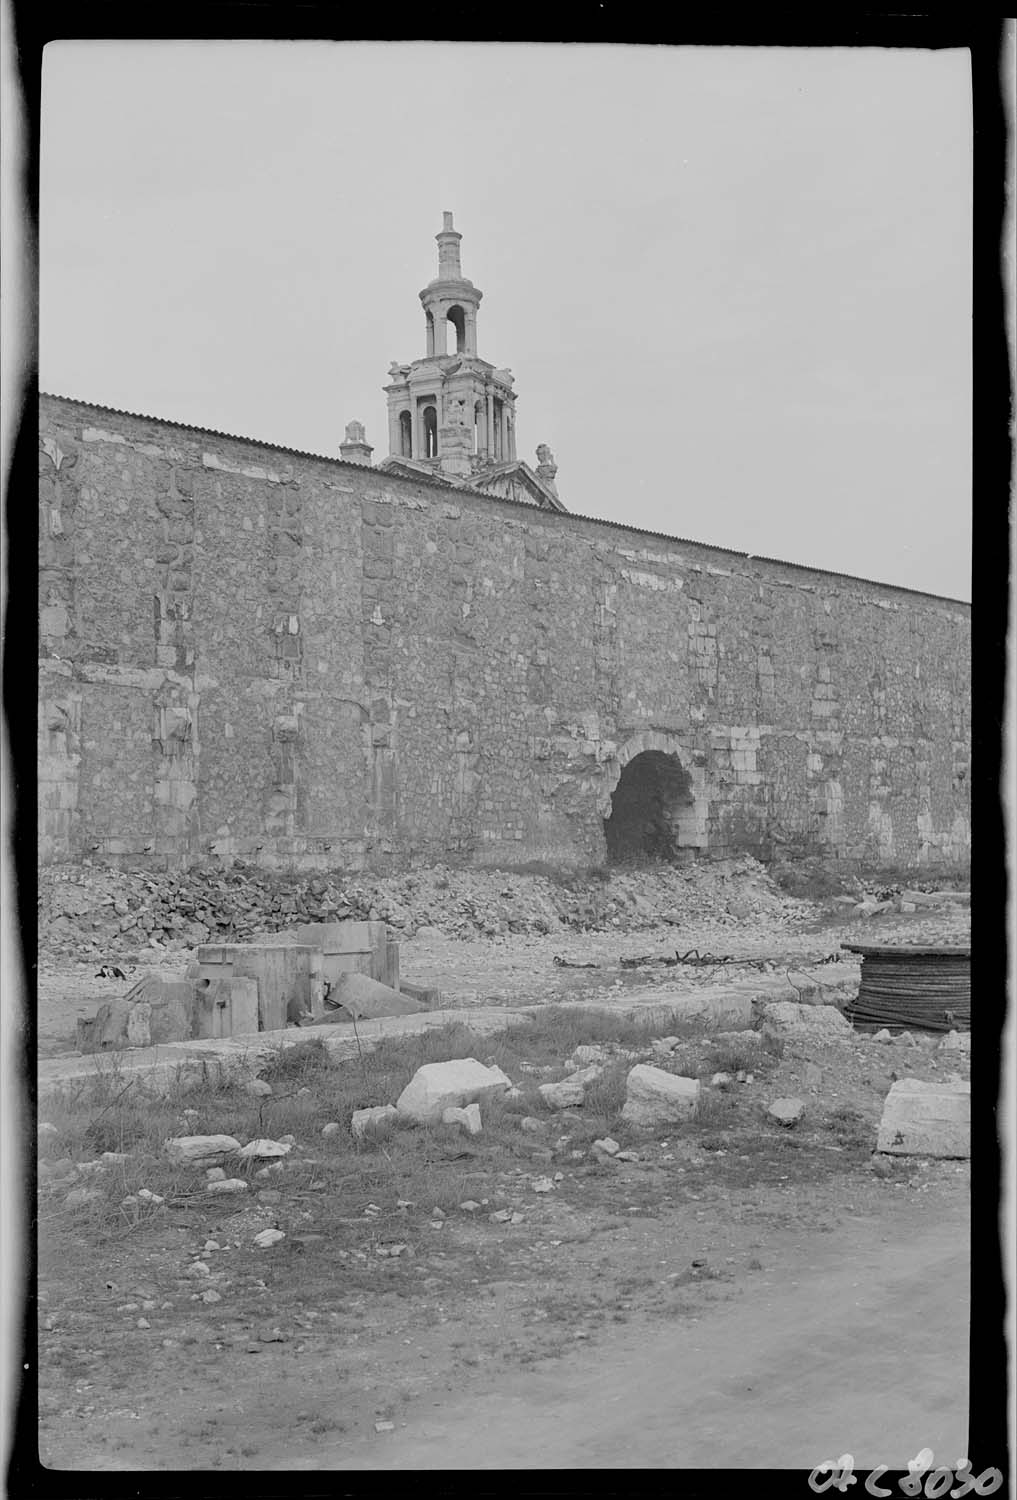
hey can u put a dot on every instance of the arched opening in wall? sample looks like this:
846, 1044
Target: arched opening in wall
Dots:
476, 426
405, 434
457, 318
652, 798
429, 423
494, 439
430, 333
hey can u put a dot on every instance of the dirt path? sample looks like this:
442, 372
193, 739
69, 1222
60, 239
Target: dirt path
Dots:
858, 1344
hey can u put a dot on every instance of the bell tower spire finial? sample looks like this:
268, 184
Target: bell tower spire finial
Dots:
449, 268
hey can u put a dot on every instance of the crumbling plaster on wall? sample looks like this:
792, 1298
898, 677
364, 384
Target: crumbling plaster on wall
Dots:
309, 662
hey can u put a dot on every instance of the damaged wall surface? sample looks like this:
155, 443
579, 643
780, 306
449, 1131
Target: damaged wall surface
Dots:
306, 662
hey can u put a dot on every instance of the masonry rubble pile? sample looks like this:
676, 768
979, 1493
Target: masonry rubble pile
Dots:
92, 910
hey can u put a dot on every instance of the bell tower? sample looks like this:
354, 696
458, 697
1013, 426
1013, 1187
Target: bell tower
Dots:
451, 410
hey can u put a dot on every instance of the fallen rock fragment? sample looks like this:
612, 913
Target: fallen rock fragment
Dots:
227, 1185
564, 1095
258, 1088
263, 1150
201, 1150
654, 1097
364, 1120
468, 1118
608, 1145
926, 1119
787, 1020
786, 1111
268, 1237
956, 1041
436, 1087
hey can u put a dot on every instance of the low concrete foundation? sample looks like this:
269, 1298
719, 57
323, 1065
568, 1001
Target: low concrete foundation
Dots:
191, 1064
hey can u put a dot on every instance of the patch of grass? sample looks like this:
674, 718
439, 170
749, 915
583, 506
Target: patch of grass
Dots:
730, 1057
298, 1064
849, 1127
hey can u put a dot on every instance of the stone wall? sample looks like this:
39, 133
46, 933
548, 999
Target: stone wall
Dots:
305, 662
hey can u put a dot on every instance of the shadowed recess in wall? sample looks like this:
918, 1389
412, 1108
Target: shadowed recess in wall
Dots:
652, 795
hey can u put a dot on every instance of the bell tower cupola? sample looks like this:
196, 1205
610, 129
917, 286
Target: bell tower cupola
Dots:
451, 411
450, 301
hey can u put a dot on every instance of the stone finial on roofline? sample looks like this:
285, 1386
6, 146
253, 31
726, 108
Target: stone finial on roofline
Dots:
355, 449
547, 468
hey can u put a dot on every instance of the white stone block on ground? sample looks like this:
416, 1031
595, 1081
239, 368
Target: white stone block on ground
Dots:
926, 1119
366, 1119
468, 1118
654, 1097
227, 1185
439, 1086
201, 1150
956, 1041
789, 1021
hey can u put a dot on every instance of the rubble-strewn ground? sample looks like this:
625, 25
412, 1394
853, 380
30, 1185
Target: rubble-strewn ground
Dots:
481, 937
275, 1353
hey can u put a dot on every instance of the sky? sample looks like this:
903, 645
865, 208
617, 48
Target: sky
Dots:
733, 284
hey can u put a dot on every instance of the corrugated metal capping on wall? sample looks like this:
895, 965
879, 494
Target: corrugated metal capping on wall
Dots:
925, 988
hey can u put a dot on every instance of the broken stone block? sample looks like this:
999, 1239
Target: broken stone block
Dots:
201, 1150
228, 1185
365, 998
264, 1149
882, 1036
364, 1120
564, 1095
436, 1087
721, 1080
608, 1145
532, 1124
258, 1088
654, 1097
956, 1041
469, 1118
926, 1119
268, 1237
786, 1111
787, 1020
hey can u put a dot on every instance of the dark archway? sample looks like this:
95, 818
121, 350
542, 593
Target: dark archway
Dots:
457, 318
652, 794
406, 434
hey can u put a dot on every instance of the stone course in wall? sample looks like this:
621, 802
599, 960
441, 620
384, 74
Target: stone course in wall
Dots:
307, 662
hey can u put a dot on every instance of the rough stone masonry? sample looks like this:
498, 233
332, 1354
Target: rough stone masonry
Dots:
309, 662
